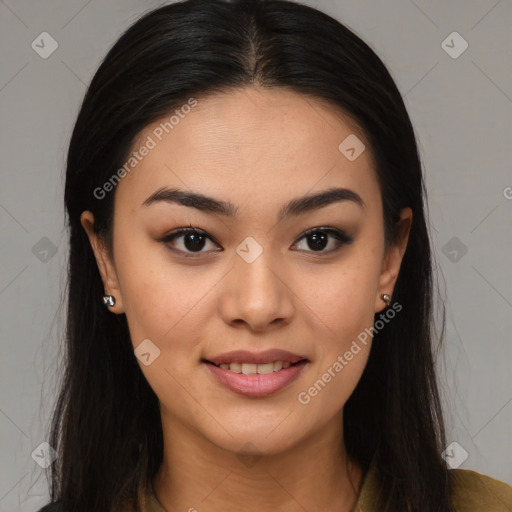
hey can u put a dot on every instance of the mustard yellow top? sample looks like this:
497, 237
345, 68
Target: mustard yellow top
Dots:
473, 492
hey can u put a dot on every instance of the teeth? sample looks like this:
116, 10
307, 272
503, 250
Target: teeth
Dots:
263, 369
253, 369
250, 368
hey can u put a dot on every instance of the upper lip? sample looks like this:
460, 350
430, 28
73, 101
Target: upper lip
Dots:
244, 356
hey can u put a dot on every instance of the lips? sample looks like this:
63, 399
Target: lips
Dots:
256, 385
256, 374
244, 356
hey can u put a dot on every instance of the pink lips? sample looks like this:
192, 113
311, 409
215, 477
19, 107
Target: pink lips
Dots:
256, 385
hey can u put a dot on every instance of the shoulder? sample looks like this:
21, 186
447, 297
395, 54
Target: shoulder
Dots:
474, 492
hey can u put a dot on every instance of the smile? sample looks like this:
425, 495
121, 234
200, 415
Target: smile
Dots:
256, 380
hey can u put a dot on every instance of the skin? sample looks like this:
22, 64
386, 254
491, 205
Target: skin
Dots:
257, 149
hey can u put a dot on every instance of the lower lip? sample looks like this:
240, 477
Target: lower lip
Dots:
257, 385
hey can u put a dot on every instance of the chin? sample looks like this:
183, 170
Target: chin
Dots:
254, 442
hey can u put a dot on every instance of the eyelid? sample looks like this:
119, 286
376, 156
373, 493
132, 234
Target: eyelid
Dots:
339, 234
166, 239
331, 230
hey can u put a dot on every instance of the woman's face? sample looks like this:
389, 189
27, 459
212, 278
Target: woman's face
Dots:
250, 277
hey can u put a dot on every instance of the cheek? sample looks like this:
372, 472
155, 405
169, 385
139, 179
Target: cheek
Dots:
345, 305
158, 297
344, 298
344, 343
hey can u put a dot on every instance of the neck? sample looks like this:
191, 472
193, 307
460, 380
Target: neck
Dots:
314, 474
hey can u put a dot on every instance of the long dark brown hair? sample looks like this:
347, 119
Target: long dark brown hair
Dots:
106, 424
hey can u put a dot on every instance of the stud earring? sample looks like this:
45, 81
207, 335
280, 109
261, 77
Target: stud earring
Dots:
109, 300
386, 298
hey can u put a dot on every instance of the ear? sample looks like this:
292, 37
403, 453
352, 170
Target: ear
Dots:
104, 262
393, 258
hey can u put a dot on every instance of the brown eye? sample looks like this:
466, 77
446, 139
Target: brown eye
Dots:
193, 241
318, 239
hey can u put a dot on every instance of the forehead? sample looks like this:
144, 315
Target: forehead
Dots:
248, 142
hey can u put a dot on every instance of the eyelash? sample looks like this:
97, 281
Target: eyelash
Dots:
340, 236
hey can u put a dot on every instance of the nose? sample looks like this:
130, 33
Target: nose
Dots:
257, 294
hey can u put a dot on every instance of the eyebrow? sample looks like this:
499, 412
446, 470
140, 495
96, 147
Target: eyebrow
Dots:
294, 207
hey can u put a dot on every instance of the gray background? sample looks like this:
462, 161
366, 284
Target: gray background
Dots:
462, 112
